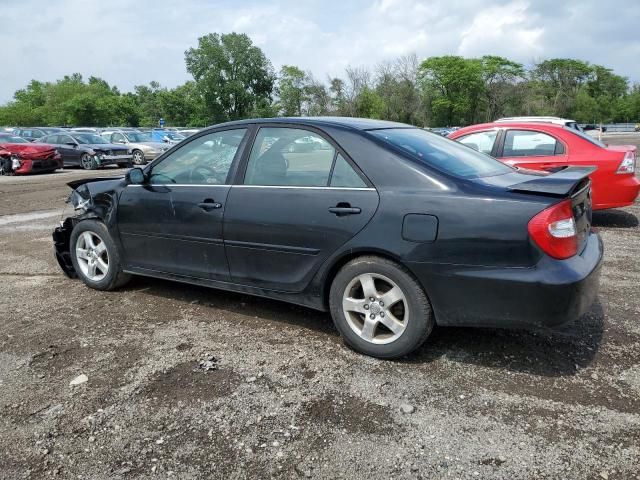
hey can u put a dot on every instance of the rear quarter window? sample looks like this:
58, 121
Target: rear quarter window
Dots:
441, 153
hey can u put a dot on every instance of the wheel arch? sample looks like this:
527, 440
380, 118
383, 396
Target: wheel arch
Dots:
351, 254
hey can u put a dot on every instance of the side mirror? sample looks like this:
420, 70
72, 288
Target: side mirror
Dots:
136, 176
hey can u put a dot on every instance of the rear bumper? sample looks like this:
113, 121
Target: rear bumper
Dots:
619, 193
552, 293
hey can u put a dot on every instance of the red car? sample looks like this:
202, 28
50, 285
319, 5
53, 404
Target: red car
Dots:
21, 157
550, 147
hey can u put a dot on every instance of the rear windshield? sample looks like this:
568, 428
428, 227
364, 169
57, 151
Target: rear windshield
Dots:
587, 137
443, 154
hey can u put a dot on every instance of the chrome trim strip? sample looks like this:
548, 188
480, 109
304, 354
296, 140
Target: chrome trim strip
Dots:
366, 189
369, 189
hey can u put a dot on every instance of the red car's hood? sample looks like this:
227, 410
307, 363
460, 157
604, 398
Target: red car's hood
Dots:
622, 148
29, 150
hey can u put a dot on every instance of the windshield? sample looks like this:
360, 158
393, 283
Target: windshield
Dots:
138, 137
12, 139
174, 136
587, 137
88, 138
443, 154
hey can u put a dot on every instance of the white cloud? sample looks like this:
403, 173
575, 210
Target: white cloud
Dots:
131, 43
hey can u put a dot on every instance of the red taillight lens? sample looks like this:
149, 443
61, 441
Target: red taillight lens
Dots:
554, 231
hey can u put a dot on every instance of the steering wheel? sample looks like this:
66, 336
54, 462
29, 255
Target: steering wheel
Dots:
205, 174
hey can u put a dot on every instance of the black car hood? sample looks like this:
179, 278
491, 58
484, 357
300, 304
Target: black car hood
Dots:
104, 146
108, 181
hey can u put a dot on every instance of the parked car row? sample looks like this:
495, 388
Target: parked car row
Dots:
85, 147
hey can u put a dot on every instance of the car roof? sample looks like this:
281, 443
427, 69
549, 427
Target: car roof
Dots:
349, 122
515, 124
544, 119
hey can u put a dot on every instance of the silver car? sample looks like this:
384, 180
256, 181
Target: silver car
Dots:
142, 147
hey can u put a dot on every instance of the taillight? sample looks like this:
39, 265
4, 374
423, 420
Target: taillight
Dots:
628, 164
554, 231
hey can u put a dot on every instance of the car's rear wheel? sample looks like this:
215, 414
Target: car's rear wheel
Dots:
88, 162
379, 308
95, 256
138, 157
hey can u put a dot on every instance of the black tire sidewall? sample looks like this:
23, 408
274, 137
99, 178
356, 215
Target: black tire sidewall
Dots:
421, 319
110, 280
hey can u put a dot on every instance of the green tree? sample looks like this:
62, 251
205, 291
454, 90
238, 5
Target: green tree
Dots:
231, 74
452, 87
291, 90
499, 76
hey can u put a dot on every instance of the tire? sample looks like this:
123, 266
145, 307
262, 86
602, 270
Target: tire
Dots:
138, 157
88, 162
105, 250
399, 327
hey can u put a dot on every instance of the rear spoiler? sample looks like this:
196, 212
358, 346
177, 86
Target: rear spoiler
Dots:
560, 184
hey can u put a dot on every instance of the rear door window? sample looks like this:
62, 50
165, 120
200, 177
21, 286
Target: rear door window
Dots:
345, 176
283, 156
480, 141
529, 143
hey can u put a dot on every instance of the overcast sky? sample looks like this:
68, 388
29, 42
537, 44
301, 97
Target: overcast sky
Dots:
133, 42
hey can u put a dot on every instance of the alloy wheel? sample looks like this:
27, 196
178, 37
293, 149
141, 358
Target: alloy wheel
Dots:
375, 308
92, 256
87, 161
138, 157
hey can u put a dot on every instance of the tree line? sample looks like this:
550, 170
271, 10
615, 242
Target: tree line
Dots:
233, 79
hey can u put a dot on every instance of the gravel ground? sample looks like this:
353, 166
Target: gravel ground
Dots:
187, 382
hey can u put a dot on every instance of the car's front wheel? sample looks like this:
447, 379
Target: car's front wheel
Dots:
88, 162
138, 157
95, 256
379, 308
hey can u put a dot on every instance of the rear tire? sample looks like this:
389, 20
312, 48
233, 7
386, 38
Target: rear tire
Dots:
95, 256
379, 308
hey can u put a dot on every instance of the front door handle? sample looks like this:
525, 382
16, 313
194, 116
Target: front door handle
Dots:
209, 204
343, 208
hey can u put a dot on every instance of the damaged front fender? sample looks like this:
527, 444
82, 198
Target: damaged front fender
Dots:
92, 199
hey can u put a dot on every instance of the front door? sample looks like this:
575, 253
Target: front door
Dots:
173, 222
68, 148
301, 199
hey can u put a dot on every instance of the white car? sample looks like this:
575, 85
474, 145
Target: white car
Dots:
143, 148
556, 120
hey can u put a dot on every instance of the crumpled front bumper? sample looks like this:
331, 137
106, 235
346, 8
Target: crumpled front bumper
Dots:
62, 247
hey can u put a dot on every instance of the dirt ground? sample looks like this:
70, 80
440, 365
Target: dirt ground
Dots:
287, 399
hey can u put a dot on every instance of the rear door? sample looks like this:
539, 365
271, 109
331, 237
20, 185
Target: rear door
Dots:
173, 223
299, 200
532, 149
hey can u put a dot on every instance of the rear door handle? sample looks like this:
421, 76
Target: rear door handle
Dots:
209, 204
344, 209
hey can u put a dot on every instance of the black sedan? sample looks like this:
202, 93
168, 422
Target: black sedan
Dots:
88, 150
390, 228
